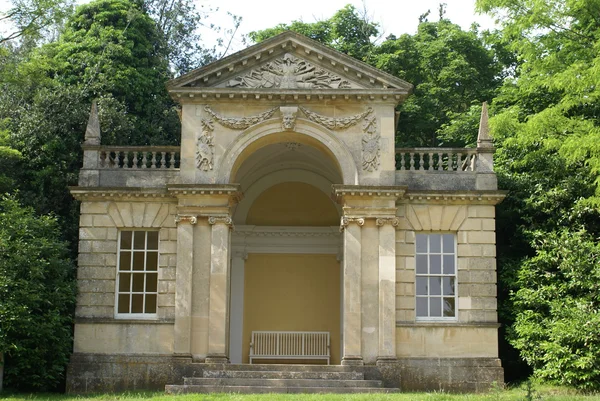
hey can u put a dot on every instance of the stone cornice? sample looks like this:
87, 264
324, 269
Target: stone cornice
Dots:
108, 320
369, 191
204, 95
274, 231
187, 190
440, 324
471, 197
120, 193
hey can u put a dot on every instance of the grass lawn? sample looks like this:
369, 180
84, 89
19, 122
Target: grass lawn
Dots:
543, 392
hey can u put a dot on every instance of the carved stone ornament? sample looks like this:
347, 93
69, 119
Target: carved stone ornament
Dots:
212, 220
204, 146
240, 122
345, 221
288, 117
292, 146
186, 219
394, 221
289, 72
335, 123
371, 147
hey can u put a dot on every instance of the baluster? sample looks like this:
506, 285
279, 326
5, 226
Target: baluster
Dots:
402, 161
430, 161
454, 161
412, 161
144, 160
125, 159
153, 162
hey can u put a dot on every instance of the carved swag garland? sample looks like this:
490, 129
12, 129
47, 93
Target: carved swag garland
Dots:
371, 147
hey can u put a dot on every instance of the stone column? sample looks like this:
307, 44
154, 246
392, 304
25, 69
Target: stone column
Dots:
219, 286
352, 352
387, 289
183, 284
238, 262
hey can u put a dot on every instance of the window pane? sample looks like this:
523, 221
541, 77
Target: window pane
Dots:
151, 261
153, 240
435, 264
139, 240
138, 282
125, 261
151, 282
123, 303
137, 303
435, 286
448, 264
435, 243
421, 240
150, 303
449, 286
138, 261
435, 307
449, 310
125, 239
448, 240
124, 282
421, 285
421, 306
421, 261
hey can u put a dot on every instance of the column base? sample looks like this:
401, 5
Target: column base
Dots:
216, 359
182, 355
386, 360
352, 361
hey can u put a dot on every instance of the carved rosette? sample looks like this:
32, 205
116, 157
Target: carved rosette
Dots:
204, 146
289, 72
240, 122
371, 144
394, 221
335, 123
345, 221
184, 218
212, 220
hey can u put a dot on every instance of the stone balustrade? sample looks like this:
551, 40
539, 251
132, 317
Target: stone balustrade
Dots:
139, 157
436, 159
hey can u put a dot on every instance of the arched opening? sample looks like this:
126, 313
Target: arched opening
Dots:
287, 275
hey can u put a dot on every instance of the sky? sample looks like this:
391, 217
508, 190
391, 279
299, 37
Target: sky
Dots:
394, 16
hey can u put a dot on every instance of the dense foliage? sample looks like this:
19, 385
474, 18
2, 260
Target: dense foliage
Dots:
37, 298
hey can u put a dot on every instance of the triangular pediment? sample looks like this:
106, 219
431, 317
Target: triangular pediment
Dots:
289, 61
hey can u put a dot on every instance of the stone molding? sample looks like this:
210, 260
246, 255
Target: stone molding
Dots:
289, 72
470, 197
335, 124
346, 221
205, 149
369, 191
231, 190
212, 220
186, 219
240, 123
133, 194
381, 221
302, 240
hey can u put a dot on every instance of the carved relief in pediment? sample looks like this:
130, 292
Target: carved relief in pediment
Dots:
289, 72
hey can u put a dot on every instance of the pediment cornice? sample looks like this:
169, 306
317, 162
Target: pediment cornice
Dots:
288, 64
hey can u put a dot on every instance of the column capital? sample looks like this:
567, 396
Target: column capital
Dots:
346, 220
212, 220
381, 221
186, 218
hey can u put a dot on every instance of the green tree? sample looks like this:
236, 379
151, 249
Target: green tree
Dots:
546, 127
453, 72
348, 31
37, 297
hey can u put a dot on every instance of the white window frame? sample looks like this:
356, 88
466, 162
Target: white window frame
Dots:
454, 275
140, 316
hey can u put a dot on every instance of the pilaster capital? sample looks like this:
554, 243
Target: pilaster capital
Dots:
381, 221
346, 220
186, 218
212, 220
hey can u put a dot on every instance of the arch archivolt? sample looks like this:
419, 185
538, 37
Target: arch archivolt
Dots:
270, 132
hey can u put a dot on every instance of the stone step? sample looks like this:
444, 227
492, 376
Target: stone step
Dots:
276, 383
186, 389
249, 374
281, 367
